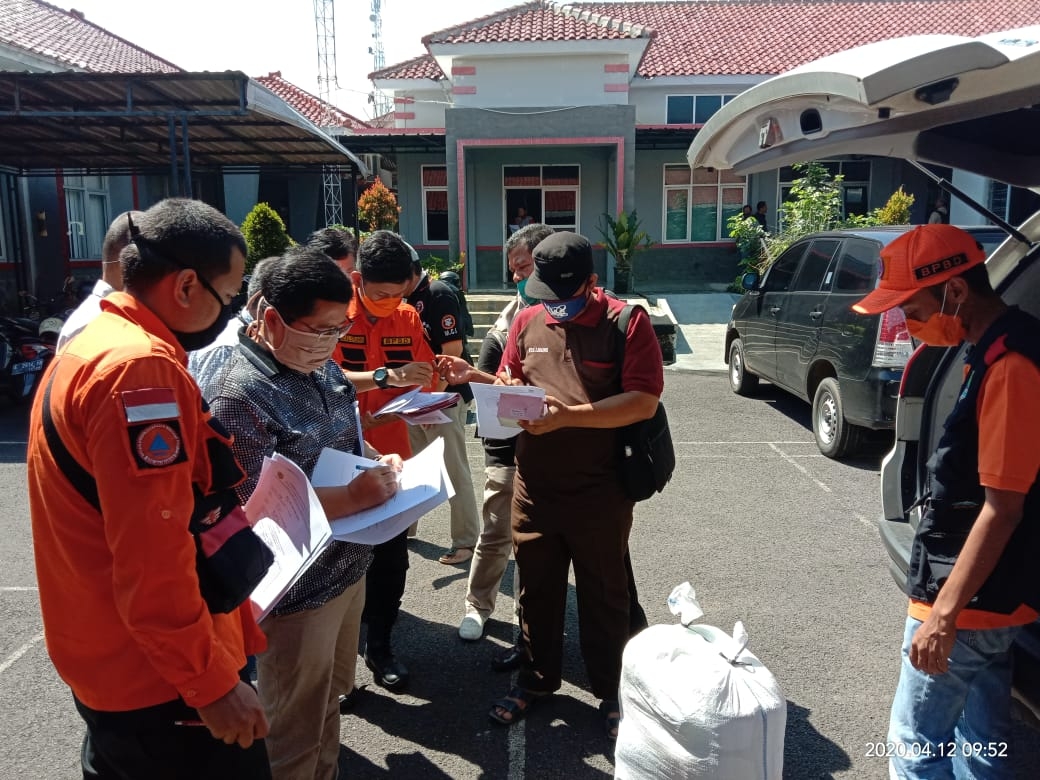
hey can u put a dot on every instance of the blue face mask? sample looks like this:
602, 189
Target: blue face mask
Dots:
520, 287
562, 311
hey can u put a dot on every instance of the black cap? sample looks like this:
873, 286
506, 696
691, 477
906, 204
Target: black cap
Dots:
562, 264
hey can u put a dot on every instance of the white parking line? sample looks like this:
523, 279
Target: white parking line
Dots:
517, 742
798, 466
19, 588
20, 652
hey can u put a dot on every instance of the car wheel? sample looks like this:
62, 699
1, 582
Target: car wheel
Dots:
741, 381
835, 436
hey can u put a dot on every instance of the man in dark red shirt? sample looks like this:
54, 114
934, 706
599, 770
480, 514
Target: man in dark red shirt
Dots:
567, 510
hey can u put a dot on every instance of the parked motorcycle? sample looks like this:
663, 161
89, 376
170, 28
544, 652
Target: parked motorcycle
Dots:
24, 355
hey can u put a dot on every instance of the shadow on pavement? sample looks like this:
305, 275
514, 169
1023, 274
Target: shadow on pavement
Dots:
807, 753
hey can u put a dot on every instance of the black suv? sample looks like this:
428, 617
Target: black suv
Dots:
798, 331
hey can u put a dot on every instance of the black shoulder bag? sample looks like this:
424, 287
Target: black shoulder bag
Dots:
646, 455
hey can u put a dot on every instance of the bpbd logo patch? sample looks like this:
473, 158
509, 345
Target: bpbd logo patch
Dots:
157, 445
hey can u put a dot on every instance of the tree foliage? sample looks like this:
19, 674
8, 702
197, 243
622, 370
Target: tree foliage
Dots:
378, 207
265, 234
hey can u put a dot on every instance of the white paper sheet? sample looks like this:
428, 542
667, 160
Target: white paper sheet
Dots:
488, 397
424, 484
289, 519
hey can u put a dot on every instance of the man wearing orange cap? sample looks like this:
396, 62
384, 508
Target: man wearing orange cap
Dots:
972, 577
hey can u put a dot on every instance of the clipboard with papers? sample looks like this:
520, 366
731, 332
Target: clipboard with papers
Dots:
288, 517
423, 485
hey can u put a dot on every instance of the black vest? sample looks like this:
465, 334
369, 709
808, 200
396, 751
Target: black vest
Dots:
955, 497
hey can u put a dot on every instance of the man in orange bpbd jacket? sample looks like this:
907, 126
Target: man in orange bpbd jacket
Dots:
154, 671
384, 353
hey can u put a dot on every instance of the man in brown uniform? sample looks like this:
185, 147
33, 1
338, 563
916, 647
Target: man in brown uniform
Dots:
566, 509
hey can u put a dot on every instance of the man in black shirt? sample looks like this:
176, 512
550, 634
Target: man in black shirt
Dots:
442, 323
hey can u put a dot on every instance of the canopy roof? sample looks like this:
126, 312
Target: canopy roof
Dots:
118, 122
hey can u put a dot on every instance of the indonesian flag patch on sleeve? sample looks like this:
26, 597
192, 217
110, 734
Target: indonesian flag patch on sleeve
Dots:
153, 403
153, 425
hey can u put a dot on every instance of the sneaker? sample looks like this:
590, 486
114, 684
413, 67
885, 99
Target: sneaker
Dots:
456, 555
472, 627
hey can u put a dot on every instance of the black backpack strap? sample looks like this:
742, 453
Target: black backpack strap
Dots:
622, 325
78, 476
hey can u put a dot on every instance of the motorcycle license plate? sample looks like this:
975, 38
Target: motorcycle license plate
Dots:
27, 367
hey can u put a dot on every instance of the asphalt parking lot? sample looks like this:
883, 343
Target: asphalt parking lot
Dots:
767, 531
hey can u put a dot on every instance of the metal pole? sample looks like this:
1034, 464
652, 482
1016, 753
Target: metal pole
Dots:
174, 185
187, 157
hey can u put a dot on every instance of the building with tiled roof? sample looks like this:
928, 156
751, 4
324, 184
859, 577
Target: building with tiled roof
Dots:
38, 36
311, 107
573, 110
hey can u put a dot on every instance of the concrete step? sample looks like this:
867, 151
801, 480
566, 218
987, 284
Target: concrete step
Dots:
484, 308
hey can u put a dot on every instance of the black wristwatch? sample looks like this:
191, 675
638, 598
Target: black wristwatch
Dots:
381, 377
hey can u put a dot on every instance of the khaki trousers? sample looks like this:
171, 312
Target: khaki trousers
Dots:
465, 523
309, 662
496, 542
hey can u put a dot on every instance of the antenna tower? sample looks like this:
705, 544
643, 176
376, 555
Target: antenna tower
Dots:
325, 23
380, 100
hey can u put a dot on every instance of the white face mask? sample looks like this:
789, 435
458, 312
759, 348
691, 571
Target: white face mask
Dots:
302, 350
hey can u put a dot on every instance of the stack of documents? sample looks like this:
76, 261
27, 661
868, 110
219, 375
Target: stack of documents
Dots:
288, 517
500, 407
418, 408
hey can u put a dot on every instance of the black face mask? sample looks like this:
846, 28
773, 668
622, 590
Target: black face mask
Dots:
197, 339
203, 338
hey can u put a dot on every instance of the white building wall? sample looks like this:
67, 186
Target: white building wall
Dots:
576, 80
421, 108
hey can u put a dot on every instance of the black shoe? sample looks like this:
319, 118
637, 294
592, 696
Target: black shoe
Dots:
349, 702
387, 671
507, 660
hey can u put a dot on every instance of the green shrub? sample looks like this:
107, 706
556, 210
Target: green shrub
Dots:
265, 234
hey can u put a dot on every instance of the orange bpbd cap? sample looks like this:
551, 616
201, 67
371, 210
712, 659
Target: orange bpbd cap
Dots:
920, 258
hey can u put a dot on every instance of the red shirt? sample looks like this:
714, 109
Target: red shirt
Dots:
125, 623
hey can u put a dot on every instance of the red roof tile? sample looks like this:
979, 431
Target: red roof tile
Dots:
729, 37
307, 104
719, 37
66, 37
421, 67
538, 21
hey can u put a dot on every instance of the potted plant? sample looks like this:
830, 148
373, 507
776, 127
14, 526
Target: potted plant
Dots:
624, 240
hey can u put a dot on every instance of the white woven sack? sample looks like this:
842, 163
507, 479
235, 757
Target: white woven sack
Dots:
688, 711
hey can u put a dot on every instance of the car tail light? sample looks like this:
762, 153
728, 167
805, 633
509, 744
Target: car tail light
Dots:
893, 346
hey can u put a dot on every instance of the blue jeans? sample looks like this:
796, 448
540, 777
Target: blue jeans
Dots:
957, 724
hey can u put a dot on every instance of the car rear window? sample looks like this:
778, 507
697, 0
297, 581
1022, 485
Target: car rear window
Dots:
857, 268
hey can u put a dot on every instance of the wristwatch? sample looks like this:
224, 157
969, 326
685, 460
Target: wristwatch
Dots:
381, 377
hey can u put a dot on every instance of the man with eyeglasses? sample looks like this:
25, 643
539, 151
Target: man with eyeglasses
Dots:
282, 393
384, 353
123, 462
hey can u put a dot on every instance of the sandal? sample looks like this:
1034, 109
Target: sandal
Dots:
611, 713
515, 704
456, 555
